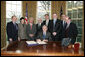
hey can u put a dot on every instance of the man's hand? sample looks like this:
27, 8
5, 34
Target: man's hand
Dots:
31, 35
38, 40
54, 33
45, 40
18, 38
10, 39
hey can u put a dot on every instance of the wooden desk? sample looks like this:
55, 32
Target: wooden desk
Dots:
50, 49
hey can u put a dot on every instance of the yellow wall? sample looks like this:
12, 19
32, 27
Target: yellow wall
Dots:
56, 6
31, 8
3, 23
83, 29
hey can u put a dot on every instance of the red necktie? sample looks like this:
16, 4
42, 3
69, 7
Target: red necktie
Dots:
31, 27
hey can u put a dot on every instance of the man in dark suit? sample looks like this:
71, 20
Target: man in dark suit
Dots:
31, 29
12, 30
63, 25
55, 28
38, 26
44, 35
47, 21
71, 30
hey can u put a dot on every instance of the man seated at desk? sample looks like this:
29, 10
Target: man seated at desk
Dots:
44, 35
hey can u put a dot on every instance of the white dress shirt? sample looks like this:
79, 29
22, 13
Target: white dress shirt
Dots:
47, 21
63, 23
39, 24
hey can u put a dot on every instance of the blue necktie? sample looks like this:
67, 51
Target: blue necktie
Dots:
44, 35
65, 24
16, 26
54, 22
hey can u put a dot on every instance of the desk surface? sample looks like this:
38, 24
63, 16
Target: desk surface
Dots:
49, 49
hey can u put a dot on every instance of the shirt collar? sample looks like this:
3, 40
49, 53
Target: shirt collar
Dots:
55, 19
39, 23
14, 23
44, 33
30, 23
47, 20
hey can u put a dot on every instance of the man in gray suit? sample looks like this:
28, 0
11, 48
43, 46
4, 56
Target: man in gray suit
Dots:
31, 29
44, 35
22, 29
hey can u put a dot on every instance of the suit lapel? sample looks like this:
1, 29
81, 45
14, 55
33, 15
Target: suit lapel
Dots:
45, 22
13, 25
14, 28
68, 26
29, 26
49, 23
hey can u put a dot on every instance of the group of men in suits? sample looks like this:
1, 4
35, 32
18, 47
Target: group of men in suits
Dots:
48, 30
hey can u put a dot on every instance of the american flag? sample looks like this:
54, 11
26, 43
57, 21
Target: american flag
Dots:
61, 11
26, 16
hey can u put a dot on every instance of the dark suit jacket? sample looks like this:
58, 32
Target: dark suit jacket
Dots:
62, 30
48, 36
57, 29
29, 31
38, 29
12, 32
71, 32
44, 23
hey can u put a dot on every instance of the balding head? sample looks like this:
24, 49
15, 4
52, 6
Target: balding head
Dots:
44, 28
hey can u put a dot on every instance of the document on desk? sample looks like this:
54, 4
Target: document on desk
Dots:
41, 42
31, 42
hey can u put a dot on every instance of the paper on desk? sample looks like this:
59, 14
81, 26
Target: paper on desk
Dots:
41, 42
31, 42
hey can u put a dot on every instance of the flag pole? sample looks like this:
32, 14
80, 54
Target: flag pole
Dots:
61, 11
26, 16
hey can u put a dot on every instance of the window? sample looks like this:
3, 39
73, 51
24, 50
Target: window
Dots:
13, 8
43, 7
75, 11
